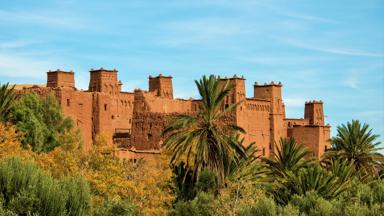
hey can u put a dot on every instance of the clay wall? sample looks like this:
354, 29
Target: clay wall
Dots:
272, 92
150, 117
288, 123
256, 123
78, 105
315, 138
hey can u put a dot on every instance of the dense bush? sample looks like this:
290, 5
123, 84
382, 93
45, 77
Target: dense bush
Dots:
204, 204
116, 207
26, 190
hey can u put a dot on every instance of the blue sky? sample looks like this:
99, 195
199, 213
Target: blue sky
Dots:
328, 50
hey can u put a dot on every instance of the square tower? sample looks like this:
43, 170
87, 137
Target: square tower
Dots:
238, 92
60, 78
161, 85
314, 112
105, 81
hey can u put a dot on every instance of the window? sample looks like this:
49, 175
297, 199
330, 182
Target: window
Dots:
105, 107
149, 136
263, 151
68, 102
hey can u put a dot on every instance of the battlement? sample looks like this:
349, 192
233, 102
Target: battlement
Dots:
60, 78
268, 84
103, 70
235, 77
314, 102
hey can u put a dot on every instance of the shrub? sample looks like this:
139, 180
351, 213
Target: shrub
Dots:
26, 190
264, 206
116, 207
204, 204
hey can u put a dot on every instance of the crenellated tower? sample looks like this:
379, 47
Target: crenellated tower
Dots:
103, 80
272, 93
60, 78
161, 85
314, 112
238, 92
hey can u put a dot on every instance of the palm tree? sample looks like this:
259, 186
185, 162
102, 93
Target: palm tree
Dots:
314, 178
247, 168
204, 140
7, 97
290, 156
355, 142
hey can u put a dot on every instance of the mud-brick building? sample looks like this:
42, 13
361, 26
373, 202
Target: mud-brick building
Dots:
135, 120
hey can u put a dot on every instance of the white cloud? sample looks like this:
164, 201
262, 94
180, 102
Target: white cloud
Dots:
14, 44
12, 65
52, 19
333, 50
294, 102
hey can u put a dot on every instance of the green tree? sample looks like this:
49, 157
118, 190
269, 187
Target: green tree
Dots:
355, 142
27, 190
7, 98
41, 121
289, 157
204, 140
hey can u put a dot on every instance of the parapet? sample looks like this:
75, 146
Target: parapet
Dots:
160, 76
279, 84
234, 77
103, 70
314, 102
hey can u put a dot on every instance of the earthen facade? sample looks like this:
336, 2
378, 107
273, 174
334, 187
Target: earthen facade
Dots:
135, 120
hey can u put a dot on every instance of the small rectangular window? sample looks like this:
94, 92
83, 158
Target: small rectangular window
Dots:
68, 102
105, 107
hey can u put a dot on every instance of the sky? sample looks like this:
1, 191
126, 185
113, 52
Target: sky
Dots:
325, 50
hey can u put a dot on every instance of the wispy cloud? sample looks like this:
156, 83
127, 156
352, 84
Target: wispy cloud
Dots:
201, 31
292, 14
333, 50
14, 44
19, 66
52, 19
294, 102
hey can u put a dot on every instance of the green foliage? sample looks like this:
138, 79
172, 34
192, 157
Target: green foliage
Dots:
204, 140
204, 204
41, 121
355, 142
184, 182
264, 206
116, 207
290, 157
26, 190
7, 97
311, 203
315, 178
207, 182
